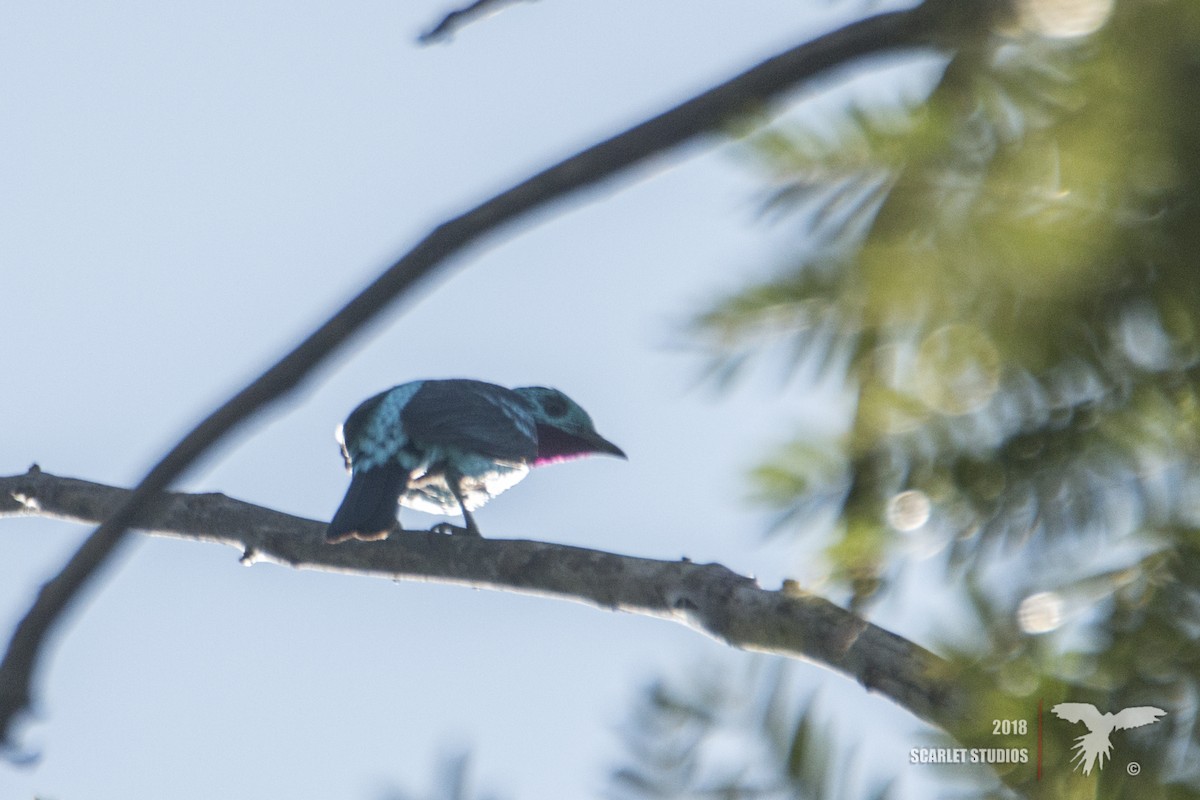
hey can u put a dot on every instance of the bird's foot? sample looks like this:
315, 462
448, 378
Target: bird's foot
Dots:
456, 530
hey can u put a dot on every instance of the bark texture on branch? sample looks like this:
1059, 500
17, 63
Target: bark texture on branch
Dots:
710, 598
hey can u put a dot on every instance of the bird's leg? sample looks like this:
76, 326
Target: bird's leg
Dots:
454, 481
472, 529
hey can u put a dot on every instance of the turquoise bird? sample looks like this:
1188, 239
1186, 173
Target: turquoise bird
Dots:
449, 446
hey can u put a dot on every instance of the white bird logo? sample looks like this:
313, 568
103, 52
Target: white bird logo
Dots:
1094, 745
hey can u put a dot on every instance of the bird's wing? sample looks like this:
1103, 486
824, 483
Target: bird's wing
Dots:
1078, 712
1137, 716
473, 416
372, 434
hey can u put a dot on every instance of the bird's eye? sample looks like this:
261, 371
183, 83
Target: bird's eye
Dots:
554, 406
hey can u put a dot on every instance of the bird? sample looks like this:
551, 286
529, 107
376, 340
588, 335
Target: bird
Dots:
448, 446
1094, 746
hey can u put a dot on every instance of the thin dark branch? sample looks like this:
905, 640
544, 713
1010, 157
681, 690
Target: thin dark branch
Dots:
707, 597
462, 16
703, 113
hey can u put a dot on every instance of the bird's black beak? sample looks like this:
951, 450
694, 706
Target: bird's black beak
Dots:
555, 444
601, 445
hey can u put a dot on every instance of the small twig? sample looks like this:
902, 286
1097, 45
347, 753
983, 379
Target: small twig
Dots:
462, 16
703, 113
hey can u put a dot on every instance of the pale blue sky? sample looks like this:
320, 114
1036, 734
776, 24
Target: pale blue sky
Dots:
187, 189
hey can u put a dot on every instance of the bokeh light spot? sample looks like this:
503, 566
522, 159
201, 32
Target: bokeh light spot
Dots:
908, 510
958, 370
1040, 613
1063, 19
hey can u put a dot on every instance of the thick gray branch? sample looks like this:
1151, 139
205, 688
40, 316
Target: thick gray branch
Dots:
708, 597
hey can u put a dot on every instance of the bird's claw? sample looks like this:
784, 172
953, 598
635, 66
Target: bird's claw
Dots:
455, 530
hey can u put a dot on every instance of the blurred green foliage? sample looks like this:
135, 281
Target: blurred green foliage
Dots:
734, 735
1005, 274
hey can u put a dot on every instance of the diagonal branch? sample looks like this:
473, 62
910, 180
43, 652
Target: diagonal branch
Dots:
924, 25
707, 597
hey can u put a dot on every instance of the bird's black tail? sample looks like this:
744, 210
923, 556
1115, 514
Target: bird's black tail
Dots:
368, 511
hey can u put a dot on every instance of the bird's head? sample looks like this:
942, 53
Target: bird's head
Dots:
565, 430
